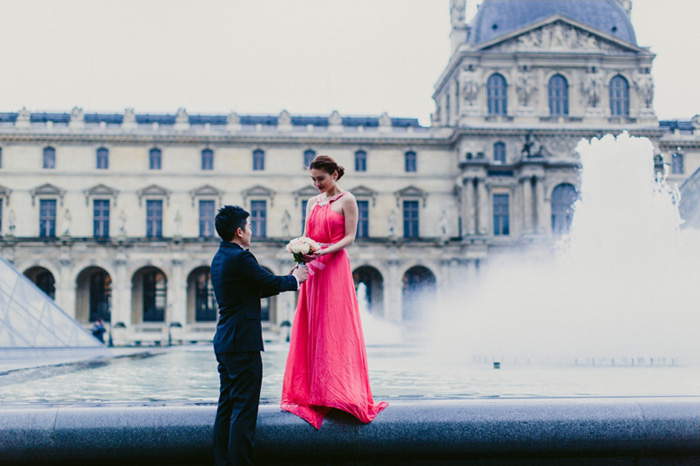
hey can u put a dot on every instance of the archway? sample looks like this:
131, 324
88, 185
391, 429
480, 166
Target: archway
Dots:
149, 292
43, 279
374, 288
201, 301
418, 290
93, 295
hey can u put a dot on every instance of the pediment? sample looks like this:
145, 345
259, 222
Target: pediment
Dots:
558, 33
365, 192
206, 190
100, 190
5, 192
259, 191
47, 189
155, 191
304, 193
410, 192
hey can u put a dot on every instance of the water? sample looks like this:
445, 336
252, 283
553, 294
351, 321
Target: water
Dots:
622, 286
188, 374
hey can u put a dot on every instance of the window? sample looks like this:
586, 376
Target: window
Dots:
47, 218
362, 219
258, 213
619, 96
563, 198
154, 296
499, 152
100, 218
259, 160
49, 157
303, 216
410, 219
558, 95
207, 159
205, 305
309, 156
206, 219
410, 163
500, 215
154, 159
154, 219
102, 158
496, 97
360, 161
677, 163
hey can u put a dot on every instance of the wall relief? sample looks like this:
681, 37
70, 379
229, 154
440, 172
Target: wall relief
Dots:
557, 36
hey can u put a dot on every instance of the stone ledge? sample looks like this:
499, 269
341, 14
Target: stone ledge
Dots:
557, 431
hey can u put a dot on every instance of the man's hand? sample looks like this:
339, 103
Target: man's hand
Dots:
301, 273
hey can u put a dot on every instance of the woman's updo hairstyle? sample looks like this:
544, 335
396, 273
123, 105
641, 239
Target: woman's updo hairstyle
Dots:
327, 164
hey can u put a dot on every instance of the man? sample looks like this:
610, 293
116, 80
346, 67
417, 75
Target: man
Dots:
239, 283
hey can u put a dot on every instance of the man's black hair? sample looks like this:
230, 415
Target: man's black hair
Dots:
229, 219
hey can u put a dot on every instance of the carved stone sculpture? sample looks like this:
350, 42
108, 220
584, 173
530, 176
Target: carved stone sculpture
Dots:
525, 86
457, 12
644, 84
469, 84
591, 88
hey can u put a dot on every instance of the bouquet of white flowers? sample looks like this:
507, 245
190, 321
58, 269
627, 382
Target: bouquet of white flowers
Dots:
302, 245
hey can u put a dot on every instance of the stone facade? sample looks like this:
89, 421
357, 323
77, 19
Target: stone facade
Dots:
111, 213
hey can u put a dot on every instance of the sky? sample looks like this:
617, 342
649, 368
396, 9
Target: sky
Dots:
309, 57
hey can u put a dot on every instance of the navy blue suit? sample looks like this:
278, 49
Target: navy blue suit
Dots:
239, 283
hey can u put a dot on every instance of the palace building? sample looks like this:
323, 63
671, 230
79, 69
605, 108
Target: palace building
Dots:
112, 214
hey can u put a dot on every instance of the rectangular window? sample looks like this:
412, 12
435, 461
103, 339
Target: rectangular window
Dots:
100, 218
102, 159
677, 164
154, 159
47, 218
362, 219
410, 164
258, 160
500, 215
303, 216
410, 219
206, 219
49, 159
258, 214
207, 159
360, 161
154, 219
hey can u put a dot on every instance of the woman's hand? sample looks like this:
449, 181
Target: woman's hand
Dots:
313, 256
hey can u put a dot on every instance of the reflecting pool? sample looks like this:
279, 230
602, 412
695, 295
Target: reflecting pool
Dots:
189, 374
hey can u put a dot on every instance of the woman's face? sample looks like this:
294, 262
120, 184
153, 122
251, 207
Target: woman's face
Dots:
323, 181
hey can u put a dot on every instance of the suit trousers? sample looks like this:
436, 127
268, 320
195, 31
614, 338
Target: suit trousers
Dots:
240, 375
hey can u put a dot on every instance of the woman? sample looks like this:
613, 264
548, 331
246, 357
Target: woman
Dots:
327, 365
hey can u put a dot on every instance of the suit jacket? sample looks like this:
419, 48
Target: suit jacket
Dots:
239, 283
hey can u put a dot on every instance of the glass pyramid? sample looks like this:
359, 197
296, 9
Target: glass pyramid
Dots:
30, 319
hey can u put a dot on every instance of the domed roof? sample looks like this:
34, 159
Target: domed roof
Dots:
498, 17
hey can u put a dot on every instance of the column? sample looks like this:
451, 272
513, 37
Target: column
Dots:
528, 225
468, 207
392, 293
541, 218
482, 207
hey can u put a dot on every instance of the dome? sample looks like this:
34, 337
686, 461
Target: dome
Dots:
498, 17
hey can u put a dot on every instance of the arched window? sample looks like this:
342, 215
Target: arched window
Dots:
558, 95
49, 159
563, 198
360, 161
410, 161
499, 152
309, 156
154, 159
619, 96
677, 163
102, 158
496, 97
207, 159
259, 159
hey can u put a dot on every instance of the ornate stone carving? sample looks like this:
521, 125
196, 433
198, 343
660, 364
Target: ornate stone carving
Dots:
77, 118
525, 86
384, 122
591, 89
233, 122
23, 117
182, 121
557, 36
284, 119
644, 84
560, 146
129, 119
457, 12
531, 146
695, 122
469, 85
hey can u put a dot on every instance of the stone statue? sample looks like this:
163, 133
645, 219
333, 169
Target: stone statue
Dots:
12, 222
335, 119
469, 86
23, 114
129, 117
457, 12
284, 119
65, 226
645, 87
122, 223
385, 120
531, 146
76, 114
695, 122
442, 225
391, 224
233, 119
177, 223
181, 116
591, 87
285, 224
525, 87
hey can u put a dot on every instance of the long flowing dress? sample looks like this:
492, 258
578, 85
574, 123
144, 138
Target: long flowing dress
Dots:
327, 364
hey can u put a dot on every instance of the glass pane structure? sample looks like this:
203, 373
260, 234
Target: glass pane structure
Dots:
30, 319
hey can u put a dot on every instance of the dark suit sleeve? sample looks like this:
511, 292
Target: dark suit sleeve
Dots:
269, 284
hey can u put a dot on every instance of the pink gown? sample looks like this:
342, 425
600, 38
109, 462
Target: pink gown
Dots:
327, 365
